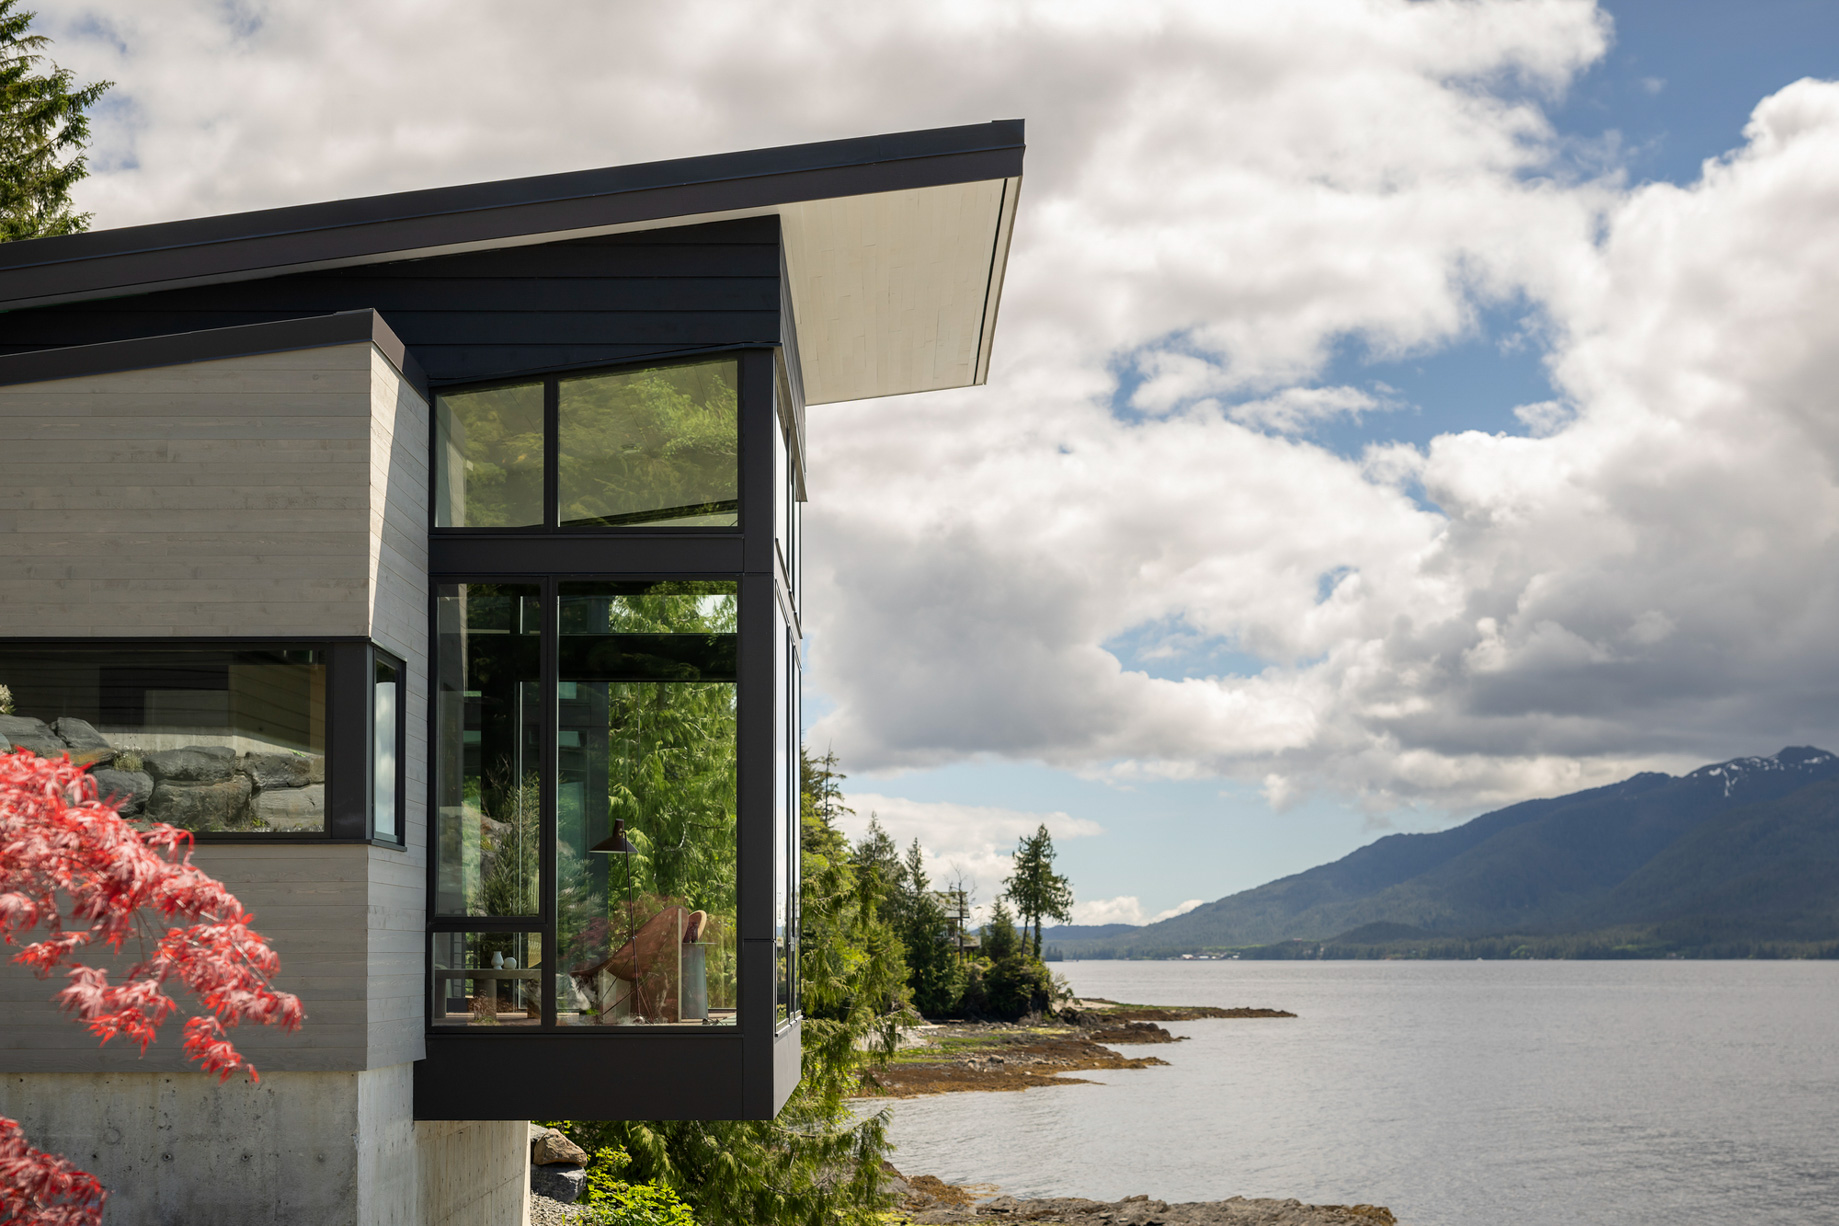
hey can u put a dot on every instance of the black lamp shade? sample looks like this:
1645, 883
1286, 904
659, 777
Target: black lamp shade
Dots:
614, 844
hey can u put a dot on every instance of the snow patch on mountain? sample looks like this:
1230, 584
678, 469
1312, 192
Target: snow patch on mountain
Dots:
1802, 758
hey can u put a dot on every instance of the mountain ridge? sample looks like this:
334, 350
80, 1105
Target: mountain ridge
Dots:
1630, 853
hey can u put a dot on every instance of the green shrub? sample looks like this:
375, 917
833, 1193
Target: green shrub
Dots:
611, 1201
1015, 987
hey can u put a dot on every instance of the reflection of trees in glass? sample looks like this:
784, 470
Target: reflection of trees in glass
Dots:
510, 838
668, 749
498, 437
657, 445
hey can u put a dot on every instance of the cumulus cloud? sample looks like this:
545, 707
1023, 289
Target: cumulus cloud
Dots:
1124, 909
1220, 198
968, 843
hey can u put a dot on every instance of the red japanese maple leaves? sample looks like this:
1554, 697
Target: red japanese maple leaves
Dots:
57, 839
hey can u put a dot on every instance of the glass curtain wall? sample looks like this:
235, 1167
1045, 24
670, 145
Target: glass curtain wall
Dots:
645, 833
646, 869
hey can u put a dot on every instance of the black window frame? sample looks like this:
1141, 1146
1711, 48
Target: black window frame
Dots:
551, 381
347, 733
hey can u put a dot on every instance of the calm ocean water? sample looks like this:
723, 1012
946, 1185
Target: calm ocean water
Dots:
1458, 1093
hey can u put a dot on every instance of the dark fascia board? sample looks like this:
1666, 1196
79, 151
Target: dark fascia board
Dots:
180, 348
405, 225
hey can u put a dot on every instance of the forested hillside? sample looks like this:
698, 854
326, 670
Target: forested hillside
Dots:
1745, 850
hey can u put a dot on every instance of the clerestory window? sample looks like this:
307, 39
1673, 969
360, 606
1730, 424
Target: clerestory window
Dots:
652, 447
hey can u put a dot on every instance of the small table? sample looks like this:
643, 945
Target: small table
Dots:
492, 973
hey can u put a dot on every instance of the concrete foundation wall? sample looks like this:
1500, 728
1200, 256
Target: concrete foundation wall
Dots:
300, 1149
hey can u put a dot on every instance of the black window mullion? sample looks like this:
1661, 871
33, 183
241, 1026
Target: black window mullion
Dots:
552, 452
549, 672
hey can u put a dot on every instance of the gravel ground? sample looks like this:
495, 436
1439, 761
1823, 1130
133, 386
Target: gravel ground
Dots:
546, 1212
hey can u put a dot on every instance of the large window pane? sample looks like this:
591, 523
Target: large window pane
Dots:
645, 812
208, 739
488, 750
488, 458
651, 447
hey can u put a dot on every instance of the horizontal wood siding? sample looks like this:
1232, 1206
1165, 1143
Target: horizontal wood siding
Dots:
311, 902
229, 497
489, 314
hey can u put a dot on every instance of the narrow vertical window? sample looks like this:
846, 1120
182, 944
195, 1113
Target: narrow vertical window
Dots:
488, 751
385, 746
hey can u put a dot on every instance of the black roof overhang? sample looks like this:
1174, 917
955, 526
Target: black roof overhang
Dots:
544, 208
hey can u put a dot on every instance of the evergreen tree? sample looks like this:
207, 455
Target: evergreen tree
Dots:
1000, 939
43, 130
1037, 891
933, 971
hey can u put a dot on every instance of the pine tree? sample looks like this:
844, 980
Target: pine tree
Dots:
933, 971
1037, 891
43, 131
1000, 940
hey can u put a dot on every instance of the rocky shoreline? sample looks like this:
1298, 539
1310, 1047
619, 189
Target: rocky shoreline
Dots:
953, 1057
928, 1201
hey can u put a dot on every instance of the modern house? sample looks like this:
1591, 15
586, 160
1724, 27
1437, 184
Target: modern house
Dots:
434, 557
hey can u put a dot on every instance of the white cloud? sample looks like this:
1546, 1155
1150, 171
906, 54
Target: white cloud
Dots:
1124, 909
1178, 909
1219, 197
969, 842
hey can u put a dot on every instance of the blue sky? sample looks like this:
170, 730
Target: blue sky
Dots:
1676, 88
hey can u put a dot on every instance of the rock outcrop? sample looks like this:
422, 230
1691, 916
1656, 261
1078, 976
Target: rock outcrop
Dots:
198, 787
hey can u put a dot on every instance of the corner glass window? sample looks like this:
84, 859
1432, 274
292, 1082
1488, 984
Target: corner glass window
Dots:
650, 447
488, 752
212, 740
488, 458
386, 718
646, 884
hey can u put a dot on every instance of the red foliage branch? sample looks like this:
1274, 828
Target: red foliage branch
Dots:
57, 838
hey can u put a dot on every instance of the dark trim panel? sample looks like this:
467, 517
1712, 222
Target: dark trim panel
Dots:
407, 224
630, 1074
182, 348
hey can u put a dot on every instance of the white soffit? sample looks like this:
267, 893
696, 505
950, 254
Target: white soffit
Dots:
897, 292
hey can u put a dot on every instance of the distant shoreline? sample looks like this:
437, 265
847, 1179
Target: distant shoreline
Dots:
1472, 949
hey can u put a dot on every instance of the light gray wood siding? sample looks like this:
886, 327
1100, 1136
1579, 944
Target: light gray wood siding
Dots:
278, 495
230, 497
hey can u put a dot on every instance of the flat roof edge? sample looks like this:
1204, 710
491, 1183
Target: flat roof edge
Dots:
212, 344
